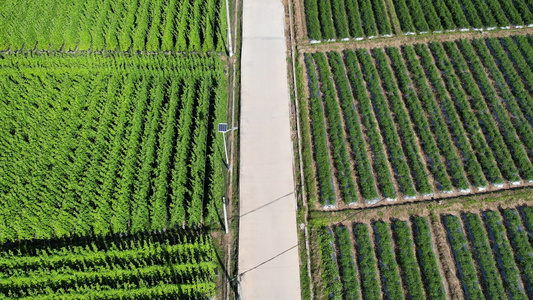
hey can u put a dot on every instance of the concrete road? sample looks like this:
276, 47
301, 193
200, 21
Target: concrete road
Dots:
268, 252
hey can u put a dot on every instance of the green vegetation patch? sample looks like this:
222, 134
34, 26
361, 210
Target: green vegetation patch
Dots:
113, 25
99, 144
419, 120
174, 265
342, 20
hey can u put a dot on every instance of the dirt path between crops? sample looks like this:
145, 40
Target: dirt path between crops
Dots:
399, 40
268, 252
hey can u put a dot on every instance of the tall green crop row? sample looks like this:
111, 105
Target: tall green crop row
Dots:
319, 137
485, 14
141, 265
521, 53
139, 212
361, 97
482, 253
509, 133
522, 248
142, 159
158, 200
438, 125
382, 19
313, 23
425, 15
388, 267
339, 19
425, 96
216, 179
527, 216
487, 123
388, 130
454, 86
348, 268
199, 155
519, 77
405, 255
436, 121
463, 258
433, 20
367, 184
329, 268
143, 186
329, 20
326, 20
366, 261
455, 127
417, 15
354, 19
425, 252
504, 255
336, 135
405, 130
402, 11
114, 25
367, 18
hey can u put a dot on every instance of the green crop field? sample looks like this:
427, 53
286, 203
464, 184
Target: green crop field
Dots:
490, 251
173, 265
420, 120
113, 25
100, 144
329, 20
111, 171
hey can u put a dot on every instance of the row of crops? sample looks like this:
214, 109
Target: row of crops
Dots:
492, 257
329, 20
344, 19
439, 15
114, 25
174, 265
97, 144
421, 119
111, 172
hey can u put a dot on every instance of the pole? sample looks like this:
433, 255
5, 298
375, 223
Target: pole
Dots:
225, 149
229, 30
225, 214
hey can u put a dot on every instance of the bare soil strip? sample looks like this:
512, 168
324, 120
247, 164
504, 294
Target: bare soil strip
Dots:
396, 41
445, 259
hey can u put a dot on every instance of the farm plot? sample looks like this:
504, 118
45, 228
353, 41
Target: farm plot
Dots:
171, 265
397, 258
341, 20
345, 19
113, 25
98, 144
422, 120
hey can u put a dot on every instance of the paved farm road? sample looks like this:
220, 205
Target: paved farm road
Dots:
267, 229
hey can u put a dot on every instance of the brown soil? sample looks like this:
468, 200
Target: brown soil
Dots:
300, 22
471, 203
445, 259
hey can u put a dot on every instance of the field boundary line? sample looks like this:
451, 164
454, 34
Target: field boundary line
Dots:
300, 158
397, 41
